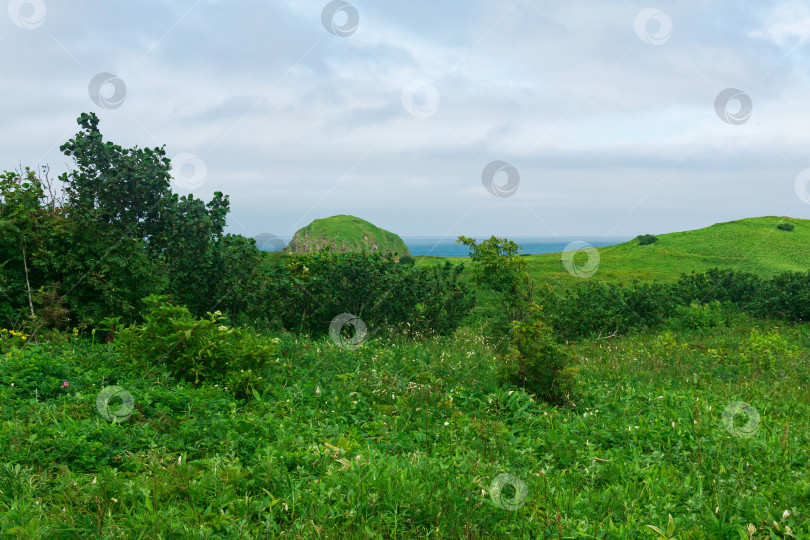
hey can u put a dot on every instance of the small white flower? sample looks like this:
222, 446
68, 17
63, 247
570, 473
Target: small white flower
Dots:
511, 392
673, 424
786, 514
114, 500
751, 529
447, 423
318, 391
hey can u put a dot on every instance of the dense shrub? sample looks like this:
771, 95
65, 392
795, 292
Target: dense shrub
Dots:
306, 292
646, 239
407, 260
785, 227
197, 349
595, 308
785, 296
537, 363
741, 288
695, 316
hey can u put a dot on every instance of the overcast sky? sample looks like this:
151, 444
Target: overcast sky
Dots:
607, 118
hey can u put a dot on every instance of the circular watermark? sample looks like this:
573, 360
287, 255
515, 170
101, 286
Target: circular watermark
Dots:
653, 26
420, 99
188, 171
738, 117
508, 501
107, 90
580, 270
336, 331
27, 14
269, 242
736, 409
801, 184
506, 189
118, 414
330, 17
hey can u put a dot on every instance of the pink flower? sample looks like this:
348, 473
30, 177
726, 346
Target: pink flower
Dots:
65, 384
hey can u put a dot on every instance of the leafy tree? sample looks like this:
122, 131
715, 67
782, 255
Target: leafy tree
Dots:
497, 266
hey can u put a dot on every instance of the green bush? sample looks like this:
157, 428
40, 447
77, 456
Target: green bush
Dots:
305, 292
537, 363
697, 315
197, 349
407, 260
646, 239
785, 227
765, 351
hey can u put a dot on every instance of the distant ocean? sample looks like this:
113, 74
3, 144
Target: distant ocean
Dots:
531, 245
437, 246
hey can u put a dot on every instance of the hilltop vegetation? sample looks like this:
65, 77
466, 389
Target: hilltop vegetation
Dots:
346, 234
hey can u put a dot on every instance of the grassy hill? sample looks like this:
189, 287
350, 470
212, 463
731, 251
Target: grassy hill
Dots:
752, 245
346, 233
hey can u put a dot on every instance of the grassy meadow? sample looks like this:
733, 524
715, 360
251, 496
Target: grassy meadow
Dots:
410, 436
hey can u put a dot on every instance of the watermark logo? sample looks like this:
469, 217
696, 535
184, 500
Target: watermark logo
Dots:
507, 491
107, 90
739, 410
585, 270
117, 414
801, 184
333, 12
724, 111
653, 26
420, 99
27, 14
506, 189
188, 171
337, 329
269, 242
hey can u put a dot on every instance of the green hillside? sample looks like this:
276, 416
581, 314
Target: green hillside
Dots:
752, 245
345, 233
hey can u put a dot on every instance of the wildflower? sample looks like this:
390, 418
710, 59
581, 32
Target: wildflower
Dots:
447, 424
222, 328
751, 529
65, 384
318, 391
786, 514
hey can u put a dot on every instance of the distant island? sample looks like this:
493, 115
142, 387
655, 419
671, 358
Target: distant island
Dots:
346, 233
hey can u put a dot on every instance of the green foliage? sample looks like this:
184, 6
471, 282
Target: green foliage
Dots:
596, 308
697, 316
409, 435
785, 227
646, 239
766, 351
407, 260
498, 267
197, 349
307, 291
536, 362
